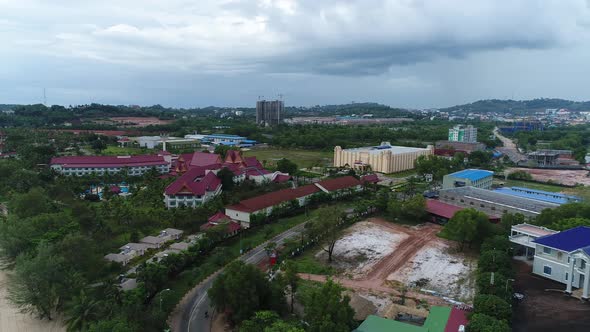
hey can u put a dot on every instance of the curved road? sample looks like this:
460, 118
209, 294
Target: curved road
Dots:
193, 314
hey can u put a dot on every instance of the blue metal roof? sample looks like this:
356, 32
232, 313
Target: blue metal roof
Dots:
586, 250
570, 240
472, 174
225, 136
539, 195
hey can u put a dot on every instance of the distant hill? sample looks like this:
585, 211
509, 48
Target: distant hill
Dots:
378, 110
5, 107
518, 106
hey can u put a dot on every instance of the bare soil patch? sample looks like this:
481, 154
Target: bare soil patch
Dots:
561, 176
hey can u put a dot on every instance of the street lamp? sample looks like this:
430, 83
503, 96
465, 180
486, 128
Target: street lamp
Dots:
162, 292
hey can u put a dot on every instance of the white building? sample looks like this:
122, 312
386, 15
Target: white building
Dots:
384, 158
561, 256
461, 133
100, 165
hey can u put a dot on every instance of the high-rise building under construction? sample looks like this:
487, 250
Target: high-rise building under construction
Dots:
269, 112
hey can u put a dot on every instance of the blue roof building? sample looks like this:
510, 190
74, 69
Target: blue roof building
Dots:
478, 178
565, 257
539, 195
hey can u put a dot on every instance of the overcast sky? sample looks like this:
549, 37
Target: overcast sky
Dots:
410, 53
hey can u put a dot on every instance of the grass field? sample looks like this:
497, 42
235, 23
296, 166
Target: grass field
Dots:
531, 185
119, 151
303, 158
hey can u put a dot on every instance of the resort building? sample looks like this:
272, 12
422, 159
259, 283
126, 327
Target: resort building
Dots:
264, 204
193, 188
478, 178
99, 165
384, 158
494, 203
560, 256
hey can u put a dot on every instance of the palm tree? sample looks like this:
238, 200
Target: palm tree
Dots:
81, 311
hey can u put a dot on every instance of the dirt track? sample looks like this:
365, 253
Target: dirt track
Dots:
407, 249
375, 279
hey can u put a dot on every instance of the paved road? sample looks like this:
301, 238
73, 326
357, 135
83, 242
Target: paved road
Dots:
510, 149
193, 314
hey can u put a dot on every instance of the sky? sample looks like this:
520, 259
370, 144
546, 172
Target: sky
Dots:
403, 53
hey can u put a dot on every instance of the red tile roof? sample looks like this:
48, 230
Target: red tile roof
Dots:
441, 209
371, 178
194, 182
198, 159
277, 197
233, 156
108, 161
252, 162
280, 178
217, 217
340, 183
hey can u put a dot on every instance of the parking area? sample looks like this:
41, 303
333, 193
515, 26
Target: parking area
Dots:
544, 310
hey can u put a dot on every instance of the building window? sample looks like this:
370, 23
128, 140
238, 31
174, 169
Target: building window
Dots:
582, 264
547, 250
462, 200
566, 275
547, 270
559, 255
470, 203
481, 205
493, 208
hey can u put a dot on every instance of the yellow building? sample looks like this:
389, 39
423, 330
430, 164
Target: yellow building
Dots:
384, 158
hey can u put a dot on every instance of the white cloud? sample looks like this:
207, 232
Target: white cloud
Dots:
331, 36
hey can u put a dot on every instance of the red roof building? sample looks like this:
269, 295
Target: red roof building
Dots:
195, 187
264, 203
370, 178
441, 212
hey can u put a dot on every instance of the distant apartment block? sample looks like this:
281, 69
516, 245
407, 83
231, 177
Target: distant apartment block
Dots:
269, 112
99, 165
461, 133
384, 158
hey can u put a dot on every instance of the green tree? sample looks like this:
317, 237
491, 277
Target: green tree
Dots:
493, 306
484, 323
227, 179
81, 310
117, 324
268, 321
287, 166
469, 226
326, 309
37, 282
461, 227
565, 224
494, 261
496, 286
30, 204
242, 290
415, 208
327, 225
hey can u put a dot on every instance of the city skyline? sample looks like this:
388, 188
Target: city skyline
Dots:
399, 53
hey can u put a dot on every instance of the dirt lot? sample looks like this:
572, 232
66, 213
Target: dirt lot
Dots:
137, 122
546, 310
377, 254
565, 177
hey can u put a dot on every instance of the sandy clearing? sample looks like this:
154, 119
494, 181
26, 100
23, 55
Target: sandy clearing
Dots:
364, 245
447, 273
562, 176
11, 320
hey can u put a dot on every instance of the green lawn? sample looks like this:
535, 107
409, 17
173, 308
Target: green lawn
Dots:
402, 174
303, 158
531, 185
119, 151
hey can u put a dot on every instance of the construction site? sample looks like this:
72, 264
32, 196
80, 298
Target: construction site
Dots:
394, 269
